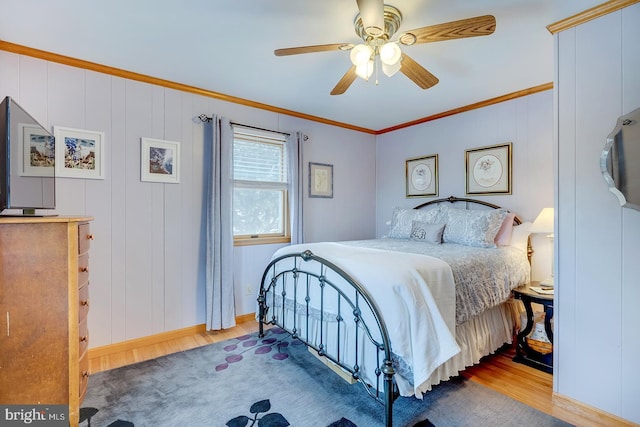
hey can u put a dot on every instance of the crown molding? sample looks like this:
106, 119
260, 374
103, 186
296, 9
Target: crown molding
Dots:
589, 14
105, 69
118, 72
481, 104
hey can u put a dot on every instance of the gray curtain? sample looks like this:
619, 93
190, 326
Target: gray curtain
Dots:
296, 188
221, 311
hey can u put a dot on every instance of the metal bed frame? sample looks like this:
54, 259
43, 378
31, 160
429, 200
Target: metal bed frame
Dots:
305, 270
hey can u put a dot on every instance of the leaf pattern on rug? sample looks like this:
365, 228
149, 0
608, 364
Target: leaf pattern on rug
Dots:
273, 419
342, 422
87, 413
275, 339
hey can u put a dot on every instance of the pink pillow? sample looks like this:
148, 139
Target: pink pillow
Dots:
503, 238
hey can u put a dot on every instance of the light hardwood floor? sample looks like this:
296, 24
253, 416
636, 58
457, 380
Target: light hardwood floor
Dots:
498, 372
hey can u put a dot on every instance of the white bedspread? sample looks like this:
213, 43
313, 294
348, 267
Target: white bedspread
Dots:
415, 292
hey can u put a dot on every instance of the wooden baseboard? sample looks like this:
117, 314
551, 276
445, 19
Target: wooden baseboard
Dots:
133, 344
597, 415
335, 368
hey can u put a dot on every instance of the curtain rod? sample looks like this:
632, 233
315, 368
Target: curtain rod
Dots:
204, 118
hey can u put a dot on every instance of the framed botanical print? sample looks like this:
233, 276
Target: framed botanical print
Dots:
488, 170
421, 176
320, 180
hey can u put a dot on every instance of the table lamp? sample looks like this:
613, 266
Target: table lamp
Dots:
544, 224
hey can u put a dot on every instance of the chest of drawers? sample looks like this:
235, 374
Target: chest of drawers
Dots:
44, 303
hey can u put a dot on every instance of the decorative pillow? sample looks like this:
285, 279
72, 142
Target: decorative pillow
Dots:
503, 238
426, 232
520, 236
472, 227
402, 220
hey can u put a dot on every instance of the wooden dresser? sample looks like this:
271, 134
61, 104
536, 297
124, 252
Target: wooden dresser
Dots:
44, 301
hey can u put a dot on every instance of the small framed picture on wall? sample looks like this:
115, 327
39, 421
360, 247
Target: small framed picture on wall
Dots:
421, 176
488, 170
79, 153
320, 180
160, 161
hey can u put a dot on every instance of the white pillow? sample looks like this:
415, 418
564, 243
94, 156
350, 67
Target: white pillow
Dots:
472, 227
520, 236
426, 232
402, 220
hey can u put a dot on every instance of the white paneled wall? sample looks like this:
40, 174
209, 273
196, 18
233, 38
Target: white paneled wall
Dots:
147, 259
525, 122
598, 242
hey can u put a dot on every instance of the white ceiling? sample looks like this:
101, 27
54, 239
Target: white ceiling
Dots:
226, 46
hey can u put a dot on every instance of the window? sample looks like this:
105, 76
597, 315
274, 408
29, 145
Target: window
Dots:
260, 184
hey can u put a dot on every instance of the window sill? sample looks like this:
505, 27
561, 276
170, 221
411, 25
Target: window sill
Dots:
261, 241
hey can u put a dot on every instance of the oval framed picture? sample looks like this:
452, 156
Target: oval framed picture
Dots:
488, 170
421, 175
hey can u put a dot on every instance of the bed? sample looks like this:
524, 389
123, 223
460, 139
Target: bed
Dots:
402, 313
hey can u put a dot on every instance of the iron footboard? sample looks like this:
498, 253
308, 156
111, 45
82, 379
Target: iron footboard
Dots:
322, 306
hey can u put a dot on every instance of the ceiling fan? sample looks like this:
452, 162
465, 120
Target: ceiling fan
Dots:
375, 24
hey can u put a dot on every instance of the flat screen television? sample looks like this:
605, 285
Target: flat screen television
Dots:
27, 156
620, 160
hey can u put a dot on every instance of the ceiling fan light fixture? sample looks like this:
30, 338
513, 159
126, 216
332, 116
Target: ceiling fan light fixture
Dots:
390, 69
374, 31
360, 54
364, 71
390, 53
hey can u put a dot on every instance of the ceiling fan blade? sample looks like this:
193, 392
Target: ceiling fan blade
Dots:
310, 49
470, 27
372, 15
417, 73
346, 80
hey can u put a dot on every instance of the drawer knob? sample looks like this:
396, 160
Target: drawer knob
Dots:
84, 339
85, 374
84, 302
90, 236
84, 269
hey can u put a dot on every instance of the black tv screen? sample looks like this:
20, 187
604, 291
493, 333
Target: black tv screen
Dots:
27, 156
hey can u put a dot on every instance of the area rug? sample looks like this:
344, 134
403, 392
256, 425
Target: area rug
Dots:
274, 381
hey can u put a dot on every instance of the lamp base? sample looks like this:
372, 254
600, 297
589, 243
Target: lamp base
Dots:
547, 283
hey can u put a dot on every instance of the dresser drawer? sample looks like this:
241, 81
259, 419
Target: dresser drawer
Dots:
84, 237
83, 301
83, 269
84, 375
83, 337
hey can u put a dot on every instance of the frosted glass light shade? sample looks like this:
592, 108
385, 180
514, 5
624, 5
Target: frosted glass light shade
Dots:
365, 70
390, 53
360, 54
390, 70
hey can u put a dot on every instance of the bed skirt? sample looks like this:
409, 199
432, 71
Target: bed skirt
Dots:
478, 337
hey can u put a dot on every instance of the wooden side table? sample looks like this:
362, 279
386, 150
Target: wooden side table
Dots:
528, 351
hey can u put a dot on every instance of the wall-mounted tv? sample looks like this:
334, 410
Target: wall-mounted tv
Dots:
27, 156
620, 160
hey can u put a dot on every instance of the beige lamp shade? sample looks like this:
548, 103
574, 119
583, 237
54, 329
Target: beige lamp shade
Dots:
543, 222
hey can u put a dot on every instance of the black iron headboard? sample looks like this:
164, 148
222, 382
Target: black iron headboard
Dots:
454, 199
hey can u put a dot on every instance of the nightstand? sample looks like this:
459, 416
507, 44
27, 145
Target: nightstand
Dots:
537, 353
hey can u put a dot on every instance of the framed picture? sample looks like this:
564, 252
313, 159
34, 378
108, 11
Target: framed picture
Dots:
37, 151
320, 180
421, 175
160, 161
79, 153
488, 170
